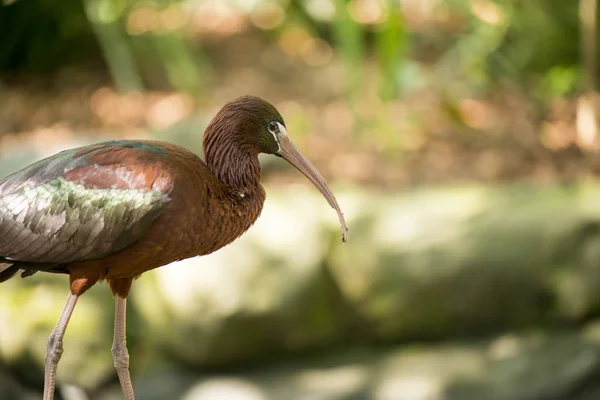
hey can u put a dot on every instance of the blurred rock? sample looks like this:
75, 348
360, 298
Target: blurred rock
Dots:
561, 367
470, 261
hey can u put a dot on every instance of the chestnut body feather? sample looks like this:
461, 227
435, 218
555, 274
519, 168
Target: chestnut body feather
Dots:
196, 213
203, 215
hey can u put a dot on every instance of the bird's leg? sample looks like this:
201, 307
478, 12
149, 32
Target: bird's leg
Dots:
119, 348
55, 347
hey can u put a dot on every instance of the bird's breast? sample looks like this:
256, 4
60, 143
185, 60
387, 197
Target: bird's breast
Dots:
192, 226
230, 215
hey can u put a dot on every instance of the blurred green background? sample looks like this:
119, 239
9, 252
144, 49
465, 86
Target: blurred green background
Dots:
460, 137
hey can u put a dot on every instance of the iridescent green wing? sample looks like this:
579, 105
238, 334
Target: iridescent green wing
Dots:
81, 204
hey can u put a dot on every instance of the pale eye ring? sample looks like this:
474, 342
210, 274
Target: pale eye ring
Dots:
273, 127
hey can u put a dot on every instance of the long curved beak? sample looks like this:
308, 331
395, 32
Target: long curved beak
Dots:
289, 151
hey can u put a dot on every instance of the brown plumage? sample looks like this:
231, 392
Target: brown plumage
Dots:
117, 209
215, 215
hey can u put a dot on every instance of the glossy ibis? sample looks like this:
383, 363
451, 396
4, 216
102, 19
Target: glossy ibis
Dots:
116, 209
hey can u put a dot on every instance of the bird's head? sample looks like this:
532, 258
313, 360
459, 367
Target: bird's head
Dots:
255, 126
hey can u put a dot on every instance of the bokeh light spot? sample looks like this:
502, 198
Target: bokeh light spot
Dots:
267, 15
293, 39
366, 11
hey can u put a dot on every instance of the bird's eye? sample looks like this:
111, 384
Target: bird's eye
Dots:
273, 127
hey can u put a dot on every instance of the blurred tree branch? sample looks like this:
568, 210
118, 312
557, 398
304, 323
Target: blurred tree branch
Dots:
587, 119
113, 42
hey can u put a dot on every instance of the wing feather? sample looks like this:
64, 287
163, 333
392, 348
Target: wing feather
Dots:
50, 213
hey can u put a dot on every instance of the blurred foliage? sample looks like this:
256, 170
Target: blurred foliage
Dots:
528, 42
59, 29
540, 47
407, 77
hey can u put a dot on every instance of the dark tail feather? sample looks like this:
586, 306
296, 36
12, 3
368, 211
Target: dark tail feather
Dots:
8, 270
28, 272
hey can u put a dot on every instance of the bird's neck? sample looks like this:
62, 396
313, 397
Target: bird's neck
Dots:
234, 165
